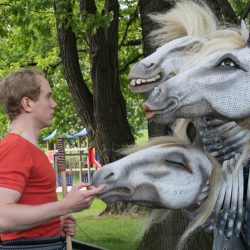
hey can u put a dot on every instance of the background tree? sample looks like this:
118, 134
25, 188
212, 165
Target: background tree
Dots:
29, 38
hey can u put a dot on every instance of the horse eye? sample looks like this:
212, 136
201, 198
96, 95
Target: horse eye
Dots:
179, 165
228, 63
174, 163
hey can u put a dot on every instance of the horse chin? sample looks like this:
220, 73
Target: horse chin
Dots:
156, 113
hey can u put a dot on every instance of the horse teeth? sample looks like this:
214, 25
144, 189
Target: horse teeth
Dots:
138, 81
133, 82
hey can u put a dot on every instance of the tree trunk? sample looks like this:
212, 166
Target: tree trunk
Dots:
104, 111
147, 7
165, 235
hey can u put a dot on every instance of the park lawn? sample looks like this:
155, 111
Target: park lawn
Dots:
113, 232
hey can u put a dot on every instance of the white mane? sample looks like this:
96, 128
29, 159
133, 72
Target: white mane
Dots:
189, 19
186, 19
219, 40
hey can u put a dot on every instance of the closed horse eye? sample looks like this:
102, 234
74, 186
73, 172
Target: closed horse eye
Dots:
174, 163
179, 165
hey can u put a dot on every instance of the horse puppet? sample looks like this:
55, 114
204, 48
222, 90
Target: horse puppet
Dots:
164, 174
188, 92
222, 137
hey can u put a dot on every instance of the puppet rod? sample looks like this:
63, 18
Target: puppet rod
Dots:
62, 169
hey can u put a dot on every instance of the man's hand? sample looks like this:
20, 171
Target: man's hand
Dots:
81, 197
68, 225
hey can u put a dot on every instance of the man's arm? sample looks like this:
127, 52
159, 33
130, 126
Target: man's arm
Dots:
17, 217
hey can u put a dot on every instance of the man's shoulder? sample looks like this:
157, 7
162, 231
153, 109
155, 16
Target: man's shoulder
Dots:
13, 142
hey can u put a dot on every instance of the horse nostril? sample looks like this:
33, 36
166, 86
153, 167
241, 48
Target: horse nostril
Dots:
109, 176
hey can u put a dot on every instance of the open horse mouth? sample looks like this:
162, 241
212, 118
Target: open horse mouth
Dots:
151, 111
117, 191
142, 85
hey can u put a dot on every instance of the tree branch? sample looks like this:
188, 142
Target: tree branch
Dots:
88, 6
227, 11
133, 43
130, 21
68, 52
134, 60
246, 11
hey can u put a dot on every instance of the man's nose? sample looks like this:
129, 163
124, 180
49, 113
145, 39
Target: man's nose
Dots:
54, 104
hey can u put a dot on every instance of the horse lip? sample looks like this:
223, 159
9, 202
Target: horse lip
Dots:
120, 191
144, 87
150, 111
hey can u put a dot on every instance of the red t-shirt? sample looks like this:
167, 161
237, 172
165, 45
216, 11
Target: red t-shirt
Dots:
26, 169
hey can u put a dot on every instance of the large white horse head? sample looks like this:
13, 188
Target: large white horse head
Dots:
216, 82
168, 175
201, 46
177, 39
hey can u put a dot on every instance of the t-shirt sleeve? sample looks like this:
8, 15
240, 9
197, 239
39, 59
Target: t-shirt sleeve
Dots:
15, 166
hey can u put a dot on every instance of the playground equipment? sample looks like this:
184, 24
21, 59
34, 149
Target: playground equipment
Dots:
81, 162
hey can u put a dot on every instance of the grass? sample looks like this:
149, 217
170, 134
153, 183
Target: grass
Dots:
112, 231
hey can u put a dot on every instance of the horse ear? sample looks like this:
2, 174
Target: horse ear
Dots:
245, 32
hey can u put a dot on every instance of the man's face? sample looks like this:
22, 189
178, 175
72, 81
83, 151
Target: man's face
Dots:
43, 108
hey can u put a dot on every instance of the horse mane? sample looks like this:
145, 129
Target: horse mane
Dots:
220, 40
161, 140
196, 19
207, 207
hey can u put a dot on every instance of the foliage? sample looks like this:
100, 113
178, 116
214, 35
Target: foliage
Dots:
28, 32
28, 38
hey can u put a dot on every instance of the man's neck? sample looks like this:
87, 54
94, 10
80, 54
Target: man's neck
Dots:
26, 130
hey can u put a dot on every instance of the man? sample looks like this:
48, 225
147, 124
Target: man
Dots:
29, 210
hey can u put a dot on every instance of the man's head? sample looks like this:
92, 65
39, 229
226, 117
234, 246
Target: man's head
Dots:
23, 83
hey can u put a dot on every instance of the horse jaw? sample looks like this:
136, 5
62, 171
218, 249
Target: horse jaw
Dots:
144, 195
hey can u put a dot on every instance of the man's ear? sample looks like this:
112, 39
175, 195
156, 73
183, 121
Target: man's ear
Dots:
26, 104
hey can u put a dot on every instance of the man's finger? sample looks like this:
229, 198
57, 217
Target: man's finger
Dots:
95, 191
